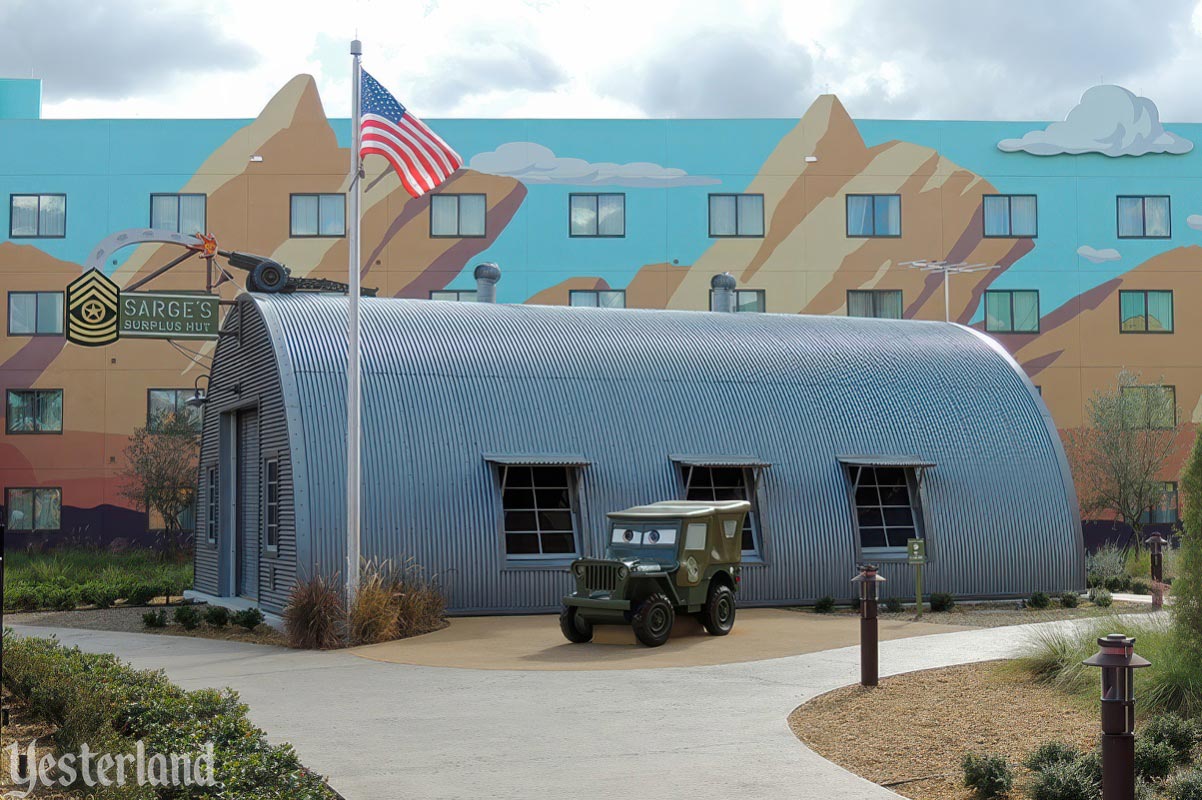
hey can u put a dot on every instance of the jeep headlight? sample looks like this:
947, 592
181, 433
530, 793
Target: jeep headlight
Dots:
578, 570
622, 573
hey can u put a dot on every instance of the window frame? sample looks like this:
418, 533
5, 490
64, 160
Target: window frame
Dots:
573, 292
271, 544
1168, 489
874, 235
762, 301
459, 234
1145, 293
8, 417
458, 295
292, 234
917, 512
8, 490
1010, 217
178, 195
751, 483
1146, 387
1011, 329
38, 235
709, 210
572, 476
1143, 205
876, 294
178, 403
36, 315
596, 215
212, 505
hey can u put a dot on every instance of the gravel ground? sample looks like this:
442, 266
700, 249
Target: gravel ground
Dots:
129, 620
997, 615
919, 725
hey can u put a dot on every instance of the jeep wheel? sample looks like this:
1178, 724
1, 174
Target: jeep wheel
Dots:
718, 615
576, 629
653, 621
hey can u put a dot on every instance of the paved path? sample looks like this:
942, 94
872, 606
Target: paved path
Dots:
383, 730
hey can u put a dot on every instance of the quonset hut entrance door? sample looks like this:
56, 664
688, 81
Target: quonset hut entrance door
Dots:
248, 505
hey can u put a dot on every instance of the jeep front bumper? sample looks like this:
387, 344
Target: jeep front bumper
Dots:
597, 603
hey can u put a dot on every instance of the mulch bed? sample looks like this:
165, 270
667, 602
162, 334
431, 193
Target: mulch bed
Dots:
129, 620
910, 732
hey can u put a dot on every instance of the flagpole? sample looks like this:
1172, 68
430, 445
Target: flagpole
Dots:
353, 430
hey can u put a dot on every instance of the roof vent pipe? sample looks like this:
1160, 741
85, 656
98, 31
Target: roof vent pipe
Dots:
722, 293
487, 275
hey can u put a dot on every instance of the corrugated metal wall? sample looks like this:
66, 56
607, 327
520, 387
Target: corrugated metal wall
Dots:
446, 383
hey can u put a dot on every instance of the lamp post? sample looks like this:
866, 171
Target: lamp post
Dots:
1118, 662
869, 582
1156, 544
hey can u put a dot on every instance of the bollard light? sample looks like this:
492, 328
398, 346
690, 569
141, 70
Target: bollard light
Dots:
1116, 657
1156, 544
870, 583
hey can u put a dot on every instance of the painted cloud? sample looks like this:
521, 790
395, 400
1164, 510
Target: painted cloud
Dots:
1109, 120
1194, 221
534, 163
1098, 256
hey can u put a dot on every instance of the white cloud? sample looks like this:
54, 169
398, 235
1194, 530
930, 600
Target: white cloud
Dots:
1194, 221
533, 163
1109, 120
1096, 256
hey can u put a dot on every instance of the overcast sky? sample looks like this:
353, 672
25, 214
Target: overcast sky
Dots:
988, 59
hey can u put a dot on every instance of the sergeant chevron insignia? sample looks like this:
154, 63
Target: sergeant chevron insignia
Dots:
92, 303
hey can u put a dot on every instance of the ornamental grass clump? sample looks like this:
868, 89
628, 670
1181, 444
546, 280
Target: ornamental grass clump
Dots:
1100, 597
315, 617
1050, 753
987, 775
373, 615
1069, 599
1039, 600
942, 601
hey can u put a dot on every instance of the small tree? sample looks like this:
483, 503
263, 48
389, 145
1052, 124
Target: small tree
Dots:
1120, 456
161, 463
1187, 587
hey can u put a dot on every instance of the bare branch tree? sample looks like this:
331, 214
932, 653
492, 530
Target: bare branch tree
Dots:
1119, 458
161, 464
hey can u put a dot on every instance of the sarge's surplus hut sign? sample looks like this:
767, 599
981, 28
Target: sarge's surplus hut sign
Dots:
160, 315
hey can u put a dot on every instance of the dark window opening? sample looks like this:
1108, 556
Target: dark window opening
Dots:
886, 512
539, 510
271, 503
725, 483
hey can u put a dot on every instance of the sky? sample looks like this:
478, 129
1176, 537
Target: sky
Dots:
920, 59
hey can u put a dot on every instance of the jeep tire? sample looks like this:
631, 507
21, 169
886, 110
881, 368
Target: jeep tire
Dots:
718, 613
652, 622
576, 629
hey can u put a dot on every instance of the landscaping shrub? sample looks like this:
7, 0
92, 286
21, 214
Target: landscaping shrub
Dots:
217, 616
314, 618
98, 699
101, 595
155, 619
1100, 597
249, 618
1179, 734
421, 602
1139, 586
1153, 759
987, 775
1187, 586
1065, 780
373, 616
824, 605
21, 597
188, 617
80, 567
1107, 563
1069, 599
1051, 753
893, 605
141, 594
60, 598
942, 601
1185, 786
1117, 583
1039, 600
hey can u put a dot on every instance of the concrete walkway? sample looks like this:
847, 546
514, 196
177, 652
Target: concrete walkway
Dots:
381, 730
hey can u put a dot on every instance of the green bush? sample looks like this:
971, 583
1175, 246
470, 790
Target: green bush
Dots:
1139, 586
1100, 597
1153, 759
188, 617
1051, 753
824, 605
1117, 583
101, 595
1107, 563
141, 594
942, 601
1185, 786
1069, 599
249, 618
21, 597
1186, 608
155, 619
60, 598
217, 616
1065, 780
1179, 734
987, 775
1039, 600
893, 605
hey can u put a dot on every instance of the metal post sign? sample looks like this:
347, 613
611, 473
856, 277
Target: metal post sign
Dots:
916, 554
166, 315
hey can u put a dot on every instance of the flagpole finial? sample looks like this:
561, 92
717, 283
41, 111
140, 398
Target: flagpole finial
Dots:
356, 47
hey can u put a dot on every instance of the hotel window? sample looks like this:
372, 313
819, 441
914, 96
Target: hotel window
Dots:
182, 213
874, 215
34, 509
454, 295
1166, 509
1010, 216
736, 215
34, 411
35, 313
879, 303
599, 298
317, 215
213, 513
887, 513
725, 483
37, 216
540, 519
1146, 311
271, 503
751, 300
597, 215
1012, 311
1144, 217
1149, 407
458, 215
161, 403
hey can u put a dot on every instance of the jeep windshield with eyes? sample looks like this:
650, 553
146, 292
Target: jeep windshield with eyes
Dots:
644, 541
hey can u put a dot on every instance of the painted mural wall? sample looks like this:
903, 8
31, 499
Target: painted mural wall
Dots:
1112, 144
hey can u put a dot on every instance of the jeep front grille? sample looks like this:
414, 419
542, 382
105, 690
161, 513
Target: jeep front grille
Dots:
601, 577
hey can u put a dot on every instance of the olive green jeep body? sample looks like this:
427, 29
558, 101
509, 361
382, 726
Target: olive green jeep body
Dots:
663, 559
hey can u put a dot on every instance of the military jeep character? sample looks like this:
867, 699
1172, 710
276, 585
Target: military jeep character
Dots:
663, 559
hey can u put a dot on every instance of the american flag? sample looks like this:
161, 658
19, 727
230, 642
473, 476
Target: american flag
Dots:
420, 157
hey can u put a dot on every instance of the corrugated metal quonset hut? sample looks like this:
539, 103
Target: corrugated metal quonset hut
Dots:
496, 438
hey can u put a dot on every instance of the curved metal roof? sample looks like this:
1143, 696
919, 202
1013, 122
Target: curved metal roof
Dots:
451, 389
